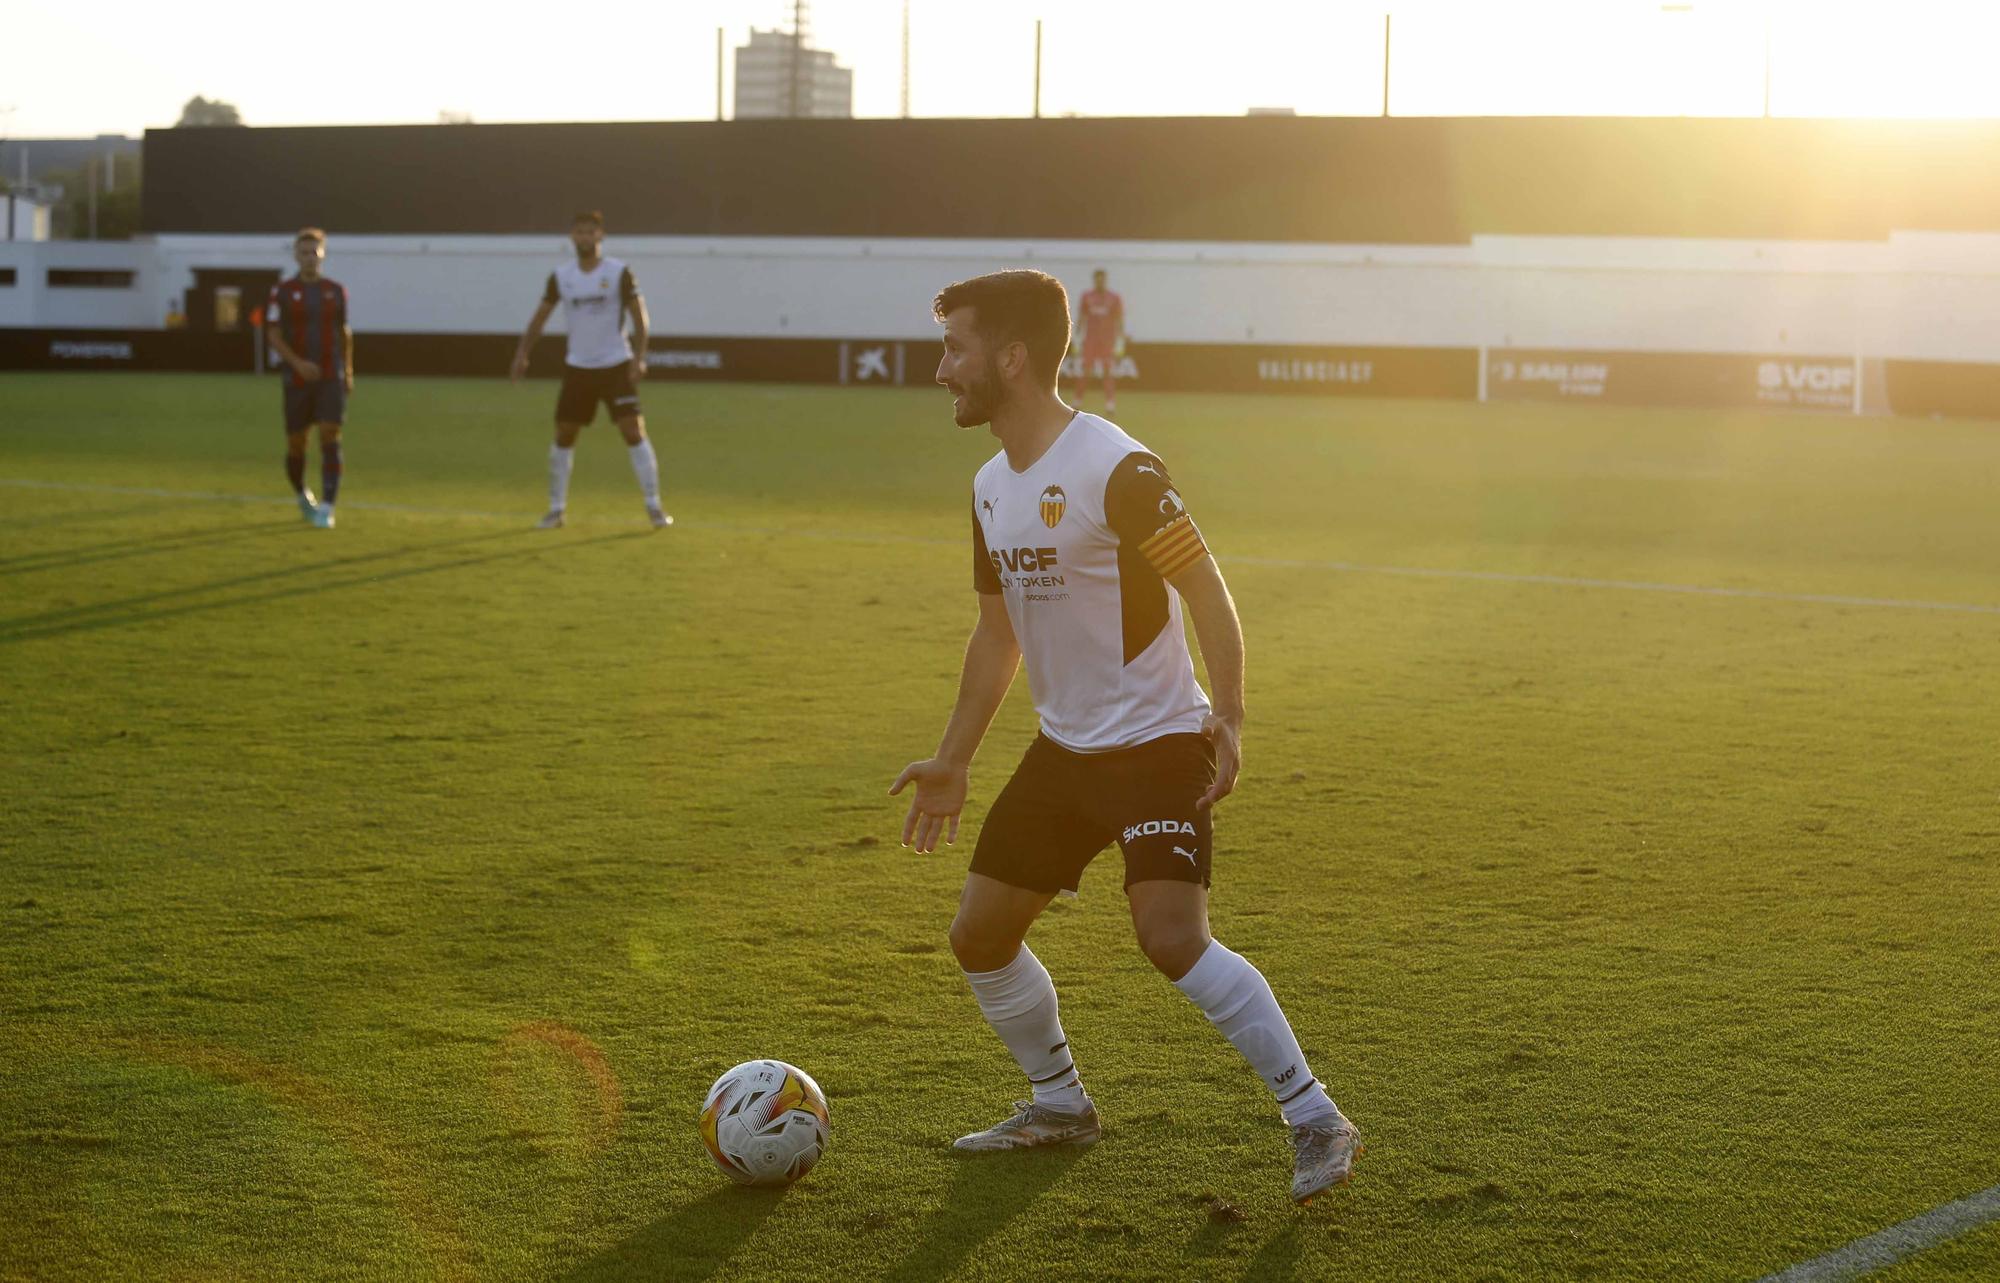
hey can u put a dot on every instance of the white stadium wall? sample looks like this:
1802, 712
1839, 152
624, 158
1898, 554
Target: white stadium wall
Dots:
1916, 296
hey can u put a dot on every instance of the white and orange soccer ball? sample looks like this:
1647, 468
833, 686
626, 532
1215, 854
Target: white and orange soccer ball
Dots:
765, 1123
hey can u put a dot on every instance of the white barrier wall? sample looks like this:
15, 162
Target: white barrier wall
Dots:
1924, 296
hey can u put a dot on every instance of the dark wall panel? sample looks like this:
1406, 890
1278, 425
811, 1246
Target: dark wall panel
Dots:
1418, 180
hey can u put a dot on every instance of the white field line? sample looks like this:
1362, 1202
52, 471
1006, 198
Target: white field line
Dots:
1339, 567
1898, 1242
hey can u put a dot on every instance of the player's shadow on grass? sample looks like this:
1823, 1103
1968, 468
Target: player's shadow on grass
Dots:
689, 1245
303, 581
987, 1191
1277, 1259
138, 546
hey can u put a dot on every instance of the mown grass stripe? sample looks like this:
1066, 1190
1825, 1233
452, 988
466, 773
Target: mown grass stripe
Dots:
1342, 567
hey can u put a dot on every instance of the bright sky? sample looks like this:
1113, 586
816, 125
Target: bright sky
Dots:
118, 66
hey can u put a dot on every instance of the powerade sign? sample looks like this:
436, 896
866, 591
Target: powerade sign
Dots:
117, 350
1697, 379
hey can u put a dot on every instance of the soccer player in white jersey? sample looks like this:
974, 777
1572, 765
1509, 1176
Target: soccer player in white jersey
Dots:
596, 293
1083, 554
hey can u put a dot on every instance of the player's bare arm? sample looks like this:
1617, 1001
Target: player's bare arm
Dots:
1220, 636
641, 328
307, 370
992, 655
532, 337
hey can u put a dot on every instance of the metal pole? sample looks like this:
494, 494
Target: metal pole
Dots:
906, 59
92, 168
1767, 65
1038, 69
1385, 63
718, 73
798, 57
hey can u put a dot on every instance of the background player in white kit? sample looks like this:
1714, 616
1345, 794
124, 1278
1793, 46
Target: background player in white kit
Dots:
1077, 535
596, 293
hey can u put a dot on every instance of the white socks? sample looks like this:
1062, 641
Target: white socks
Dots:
561, 458
1237, 1000
1019, 1001
646, 467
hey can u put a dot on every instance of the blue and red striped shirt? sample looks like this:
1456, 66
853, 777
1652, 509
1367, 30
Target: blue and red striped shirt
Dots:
310, 316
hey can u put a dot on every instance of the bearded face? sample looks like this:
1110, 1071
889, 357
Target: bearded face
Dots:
970, 371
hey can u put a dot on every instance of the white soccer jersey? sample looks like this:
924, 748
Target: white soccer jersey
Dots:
1081, 546
594, 304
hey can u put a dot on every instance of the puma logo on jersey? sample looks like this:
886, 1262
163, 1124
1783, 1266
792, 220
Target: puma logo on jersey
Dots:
1153, 827
1033, 559
988, 505
1186, 855
1147, 467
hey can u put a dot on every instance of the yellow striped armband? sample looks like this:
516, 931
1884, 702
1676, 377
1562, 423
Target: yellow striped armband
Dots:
1174, 547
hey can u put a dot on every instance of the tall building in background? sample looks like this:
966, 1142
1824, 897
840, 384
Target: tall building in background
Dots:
780, 74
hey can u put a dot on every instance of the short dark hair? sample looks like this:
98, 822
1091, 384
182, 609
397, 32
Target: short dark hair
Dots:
309, 234
1020, 306
591, 216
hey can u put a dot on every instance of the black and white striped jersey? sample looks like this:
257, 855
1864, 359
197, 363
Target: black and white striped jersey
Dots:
1081, 545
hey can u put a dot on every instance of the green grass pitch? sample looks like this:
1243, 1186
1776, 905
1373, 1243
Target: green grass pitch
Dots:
379, 903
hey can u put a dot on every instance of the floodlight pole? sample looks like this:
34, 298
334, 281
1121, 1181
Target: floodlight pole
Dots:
906, 59
1385, 63
718, 73
1038, 69
1767, 64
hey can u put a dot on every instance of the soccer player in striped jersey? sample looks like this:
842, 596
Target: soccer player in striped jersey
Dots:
305, 323
1083, 557
596, 293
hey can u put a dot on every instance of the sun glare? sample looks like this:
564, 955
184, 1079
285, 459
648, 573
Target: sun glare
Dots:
1099, 58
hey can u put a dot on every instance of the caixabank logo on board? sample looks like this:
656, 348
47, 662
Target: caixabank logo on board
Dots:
1823, 385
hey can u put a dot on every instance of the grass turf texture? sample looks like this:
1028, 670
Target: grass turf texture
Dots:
380, 903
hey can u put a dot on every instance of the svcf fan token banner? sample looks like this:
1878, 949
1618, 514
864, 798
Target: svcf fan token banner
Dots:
1704, 380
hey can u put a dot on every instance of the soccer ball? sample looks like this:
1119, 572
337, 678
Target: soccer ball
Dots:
764, 1123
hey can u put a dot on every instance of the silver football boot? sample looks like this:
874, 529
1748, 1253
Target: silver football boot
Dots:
1034, 1125
1325, 1157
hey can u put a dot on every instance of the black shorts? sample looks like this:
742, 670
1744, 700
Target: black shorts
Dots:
582, 389
321, 401
1062, 808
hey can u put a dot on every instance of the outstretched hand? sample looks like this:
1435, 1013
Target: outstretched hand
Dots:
934, 807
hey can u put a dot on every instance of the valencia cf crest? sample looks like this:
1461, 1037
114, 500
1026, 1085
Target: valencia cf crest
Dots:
1052, 506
